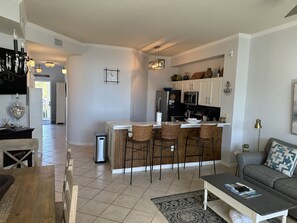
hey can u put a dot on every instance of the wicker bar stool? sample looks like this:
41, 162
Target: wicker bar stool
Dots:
192, 141
168, 138
138, 140
206, 136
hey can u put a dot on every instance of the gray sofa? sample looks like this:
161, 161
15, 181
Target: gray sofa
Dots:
251, 169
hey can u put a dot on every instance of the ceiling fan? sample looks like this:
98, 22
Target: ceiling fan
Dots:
292, 12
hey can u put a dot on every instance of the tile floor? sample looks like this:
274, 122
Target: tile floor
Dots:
108, 198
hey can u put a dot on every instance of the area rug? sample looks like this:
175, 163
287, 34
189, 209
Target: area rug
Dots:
188, 207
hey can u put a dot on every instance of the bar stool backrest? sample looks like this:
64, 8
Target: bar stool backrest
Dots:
170, 131
207, 131
142, 133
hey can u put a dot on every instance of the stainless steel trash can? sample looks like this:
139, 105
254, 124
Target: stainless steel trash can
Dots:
100, 151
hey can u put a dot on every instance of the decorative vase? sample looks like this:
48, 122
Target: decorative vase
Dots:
208, 73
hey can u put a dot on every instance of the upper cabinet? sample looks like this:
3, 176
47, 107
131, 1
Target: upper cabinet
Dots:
191, 85
210, 92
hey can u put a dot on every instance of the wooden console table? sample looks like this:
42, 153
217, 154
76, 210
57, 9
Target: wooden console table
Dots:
16, 133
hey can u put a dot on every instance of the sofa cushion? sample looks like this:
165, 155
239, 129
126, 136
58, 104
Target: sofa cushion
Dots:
287, 187
263, 174
282, 158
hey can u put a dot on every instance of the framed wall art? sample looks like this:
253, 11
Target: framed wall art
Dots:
294, 108
111, 75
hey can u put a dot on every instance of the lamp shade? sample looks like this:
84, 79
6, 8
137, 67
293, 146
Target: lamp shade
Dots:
258, 124
157, 64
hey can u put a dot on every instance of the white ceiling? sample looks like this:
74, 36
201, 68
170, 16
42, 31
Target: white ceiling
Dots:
177, 25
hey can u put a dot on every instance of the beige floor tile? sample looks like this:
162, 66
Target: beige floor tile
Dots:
126, 201
116, 187
178, 188
134, 191
106, 196
85, 218
93, 208
83, 181
146, 205
99, 184
88, 192
81, 201
151, 193
115, 213
103, 220
160, 186
159, 219
138, 216
93, 173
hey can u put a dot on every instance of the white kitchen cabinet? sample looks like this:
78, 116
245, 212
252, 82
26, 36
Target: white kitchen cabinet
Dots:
210, 92
178, 85
191, 85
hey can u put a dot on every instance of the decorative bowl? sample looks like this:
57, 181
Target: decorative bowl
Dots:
192, 120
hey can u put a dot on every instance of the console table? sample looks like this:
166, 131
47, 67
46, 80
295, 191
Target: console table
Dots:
16, 133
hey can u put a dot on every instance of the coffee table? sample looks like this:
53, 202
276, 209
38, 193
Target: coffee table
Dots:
259, 208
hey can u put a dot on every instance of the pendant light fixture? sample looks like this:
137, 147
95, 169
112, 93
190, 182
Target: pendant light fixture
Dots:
64, 71
156, 64
38, 69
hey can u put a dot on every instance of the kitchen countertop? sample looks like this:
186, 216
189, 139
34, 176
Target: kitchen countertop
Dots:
126, 124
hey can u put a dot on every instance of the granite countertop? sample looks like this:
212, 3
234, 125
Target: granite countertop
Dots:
126, 124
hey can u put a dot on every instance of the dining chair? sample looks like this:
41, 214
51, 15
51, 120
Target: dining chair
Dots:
14, 153
138, 141
66, 209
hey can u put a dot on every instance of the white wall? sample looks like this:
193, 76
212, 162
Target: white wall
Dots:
157, 79
139, 79
272, 68
91, 102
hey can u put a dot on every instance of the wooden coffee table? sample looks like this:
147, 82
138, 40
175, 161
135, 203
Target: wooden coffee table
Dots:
258, 209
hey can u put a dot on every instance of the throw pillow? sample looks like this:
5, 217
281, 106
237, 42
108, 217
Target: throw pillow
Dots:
282, 158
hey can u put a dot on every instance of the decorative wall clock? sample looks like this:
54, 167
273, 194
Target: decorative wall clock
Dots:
111, 76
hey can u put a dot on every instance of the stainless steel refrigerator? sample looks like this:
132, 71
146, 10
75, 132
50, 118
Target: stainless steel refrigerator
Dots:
168, 103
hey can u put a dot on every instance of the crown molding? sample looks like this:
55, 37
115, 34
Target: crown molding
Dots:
275, 29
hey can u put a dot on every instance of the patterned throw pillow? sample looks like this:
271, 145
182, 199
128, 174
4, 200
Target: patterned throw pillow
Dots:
282, 158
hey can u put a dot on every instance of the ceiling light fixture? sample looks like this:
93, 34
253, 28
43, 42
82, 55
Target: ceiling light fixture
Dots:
31, 62
156, 64
64, 71
49, 64
38, 69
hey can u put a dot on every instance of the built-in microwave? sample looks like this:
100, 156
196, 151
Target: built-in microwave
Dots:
191, 97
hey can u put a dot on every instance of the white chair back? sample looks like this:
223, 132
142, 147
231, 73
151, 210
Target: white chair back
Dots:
26, 147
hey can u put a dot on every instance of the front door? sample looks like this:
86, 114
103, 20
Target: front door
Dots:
46, 100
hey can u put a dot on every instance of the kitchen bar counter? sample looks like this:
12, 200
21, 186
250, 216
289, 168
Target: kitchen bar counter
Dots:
117, 125
117, 131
